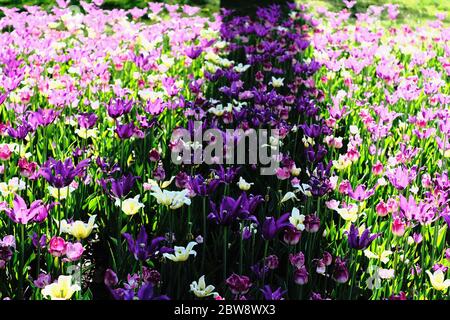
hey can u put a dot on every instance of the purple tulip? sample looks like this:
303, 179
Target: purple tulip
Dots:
238, 284
125, 131
119, 187
119, 107
271, 226
355, 241
61, 174
268, 294
143, 250
340, 273
301, 276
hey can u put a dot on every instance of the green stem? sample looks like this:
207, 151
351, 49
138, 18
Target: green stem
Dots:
22, 260
225, 249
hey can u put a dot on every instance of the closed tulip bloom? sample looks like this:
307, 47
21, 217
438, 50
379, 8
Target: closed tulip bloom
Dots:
74, 251
301, 276
340, 273
57, 246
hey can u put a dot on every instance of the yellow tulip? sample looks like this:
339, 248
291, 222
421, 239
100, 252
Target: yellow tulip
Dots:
63, 289
437, 280
130, 206
79, 229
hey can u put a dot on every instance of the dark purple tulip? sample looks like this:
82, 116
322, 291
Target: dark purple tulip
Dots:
42, 241
297, 260
202, 187
238, 284
259, 269
291, 236
151, 275
106, 167
87, 120
141, 249
246, 233
272, 262
312, 223
20, 132
125, 131
159, 173
327, 258
340, 273
110, 278
146, 292
61, 174
6, 254
119, 107
154, 155
119, 187
272, 226
272, 295
182, 180
226, 175
229, 211
250, 204
301, 276
360, 242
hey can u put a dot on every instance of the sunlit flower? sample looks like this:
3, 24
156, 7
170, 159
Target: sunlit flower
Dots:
382, 255
348, 213
130, 206
62, 289
60, 194
438, 280
181, 254
171, 199
79, 229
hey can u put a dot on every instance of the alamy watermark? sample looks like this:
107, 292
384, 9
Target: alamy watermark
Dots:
231, 146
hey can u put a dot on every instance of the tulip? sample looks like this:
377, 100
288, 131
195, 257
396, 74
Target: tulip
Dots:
200, 289
181, 254
62, 289
297, 219
79, 229
74, 251
438, 281
238, 284
57, 246
130, 206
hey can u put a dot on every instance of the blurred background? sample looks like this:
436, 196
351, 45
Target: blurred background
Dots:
411, 11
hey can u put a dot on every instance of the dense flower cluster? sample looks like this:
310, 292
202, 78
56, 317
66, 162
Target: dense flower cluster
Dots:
388, 106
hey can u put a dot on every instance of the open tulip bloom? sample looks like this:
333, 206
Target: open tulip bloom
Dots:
297, 153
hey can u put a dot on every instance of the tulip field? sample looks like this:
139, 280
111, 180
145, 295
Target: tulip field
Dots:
342, 191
